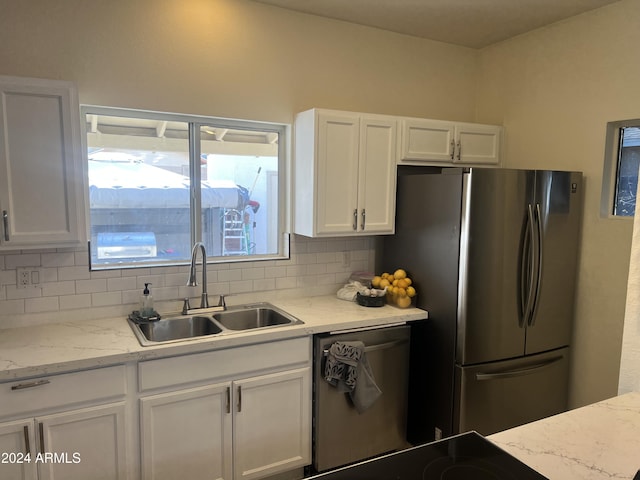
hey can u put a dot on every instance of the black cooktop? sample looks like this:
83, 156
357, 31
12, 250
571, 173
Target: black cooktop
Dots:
467, 456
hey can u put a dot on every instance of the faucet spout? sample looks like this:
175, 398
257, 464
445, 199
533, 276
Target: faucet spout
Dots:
204, 299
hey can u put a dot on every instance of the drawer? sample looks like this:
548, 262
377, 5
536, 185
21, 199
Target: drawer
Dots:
43, 393
223, 364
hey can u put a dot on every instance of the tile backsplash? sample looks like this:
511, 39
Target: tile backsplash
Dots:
69, 291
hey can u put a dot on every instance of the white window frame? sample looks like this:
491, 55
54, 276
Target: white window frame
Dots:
610, 172
195, 121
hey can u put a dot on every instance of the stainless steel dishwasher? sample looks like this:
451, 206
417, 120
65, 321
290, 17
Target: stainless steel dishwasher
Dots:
341, 435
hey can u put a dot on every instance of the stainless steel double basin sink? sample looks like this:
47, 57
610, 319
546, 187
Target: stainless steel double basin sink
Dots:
232, 320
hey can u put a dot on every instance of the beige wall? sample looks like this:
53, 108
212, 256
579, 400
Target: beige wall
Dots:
554, 90
231, 58
630, 359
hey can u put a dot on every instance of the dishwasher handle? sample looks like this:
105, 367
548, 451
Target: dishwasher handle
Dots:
379, 346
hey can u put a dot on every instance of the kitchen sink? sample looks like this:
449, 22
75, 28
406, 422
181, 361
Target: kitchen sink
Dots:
188, 327
174, 329
255, 316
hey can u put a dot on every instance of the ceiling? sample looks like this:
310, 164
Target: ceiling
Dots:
470, 23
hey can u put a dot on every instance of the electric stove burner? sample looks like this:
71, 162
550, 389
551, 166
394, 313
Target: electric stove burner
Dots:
468, 456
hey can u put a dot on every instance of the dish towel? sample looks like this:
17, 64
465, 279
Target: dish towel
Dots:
348, 370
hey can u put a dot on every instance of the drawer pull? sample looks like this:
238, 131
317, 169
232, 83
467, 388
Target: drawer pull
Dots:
36, 383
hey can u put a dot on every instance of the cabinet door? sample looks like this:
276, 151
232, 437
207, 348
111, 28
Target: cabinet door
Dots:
87, 443
377, 175
337, 173
272, 428
187, 434
427, 140
17, 447
41, 196
479, 144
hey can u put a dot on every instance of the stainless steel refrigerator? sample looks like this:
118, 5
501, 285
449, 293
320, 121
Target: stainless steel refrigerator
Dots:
493, 256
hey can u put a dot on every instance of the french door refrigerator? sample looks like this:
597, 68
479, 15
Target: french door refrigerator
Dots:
493, 255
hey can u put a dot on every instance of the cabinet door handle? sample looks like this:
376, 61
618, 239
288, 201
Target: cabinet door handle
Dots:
26, 440
453, 149
239, 398
459, 150
355, 219
36, 383
363, 219
228, 399
41, 432
5, 222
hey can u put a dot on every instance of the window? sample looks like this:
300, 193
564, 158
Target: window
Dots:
620, 180
160, 182
627, 171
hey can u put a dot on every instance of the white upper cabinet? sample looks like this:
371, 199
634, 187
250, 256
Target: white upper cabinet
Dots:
345, 173
442, 142
41, 174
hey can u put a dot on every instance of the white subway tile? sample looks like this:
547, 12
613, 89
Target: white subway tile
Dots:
275, 272
264, 284
317, 269
252, 273
307, 258
68, 284
104, 299
106, 274
327, 257
121, 283
44, 304
81, 258
73, 273
69, 302
91, 286
58, 288
326, 279
229, 275
14, 293
286, 283
11, 307
57, 259
50, 274
241, 286
22, 260
8, 277
296, 270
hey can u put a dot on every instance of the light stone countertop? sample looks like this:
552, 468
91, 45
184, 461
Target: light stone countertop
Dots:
54, 348
599, 441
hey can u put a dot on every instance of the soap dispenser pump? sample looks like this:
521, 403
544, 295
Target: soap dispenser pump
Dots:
146, 302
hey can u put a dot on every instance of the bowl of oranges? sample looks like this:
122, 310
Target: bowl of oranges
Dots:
400, 289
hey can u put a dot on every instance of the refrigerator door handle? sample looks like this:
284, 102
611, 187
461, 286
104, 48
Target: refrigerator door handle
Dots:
519, 372
528, 268
538, 261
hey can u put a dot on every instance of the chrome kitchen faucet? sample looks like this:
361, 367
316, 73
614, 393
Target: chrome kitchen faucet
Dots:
191, 282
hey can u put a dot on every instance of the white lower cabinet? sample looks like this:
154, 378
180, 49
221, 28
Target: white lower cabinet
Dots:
88, 443
16, 443
57, 442
187, 434
272, 428
251, 420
